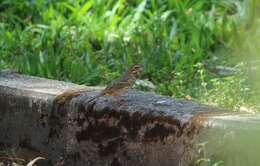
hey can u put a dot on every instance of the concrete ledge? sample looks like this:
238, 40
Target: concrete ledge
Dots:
149, 129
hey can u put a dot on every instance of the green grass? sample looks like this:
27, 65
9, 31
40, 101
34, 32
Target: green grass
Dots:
93, 41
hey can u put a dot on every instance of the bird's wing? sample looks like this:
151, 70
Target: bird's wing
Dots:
114, 83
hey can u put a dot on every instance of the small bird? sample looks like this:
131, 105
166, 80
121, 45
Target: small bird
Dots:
115, 88
121, 84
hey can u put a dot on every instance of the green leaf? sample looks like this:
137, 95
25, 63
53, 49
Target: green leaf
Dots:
86, 7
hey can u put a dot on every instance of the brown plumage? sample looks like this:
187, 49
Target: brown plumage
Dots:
124, 82
115, 88
121, 84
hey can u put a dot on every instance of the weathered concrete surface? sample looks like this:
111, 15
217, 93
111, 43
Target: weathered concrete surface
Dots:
143, 129
231, 138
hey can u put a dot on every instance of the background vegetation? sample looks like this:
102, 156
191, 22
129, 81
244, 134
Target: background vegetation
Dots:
188, 48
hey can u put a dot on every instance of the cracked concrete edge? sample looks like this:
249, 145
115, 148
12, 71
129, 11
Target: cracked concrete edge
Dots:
26, 109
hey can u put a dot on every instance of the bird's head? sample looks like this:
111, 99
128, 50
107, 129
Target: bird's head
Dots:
135, 69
